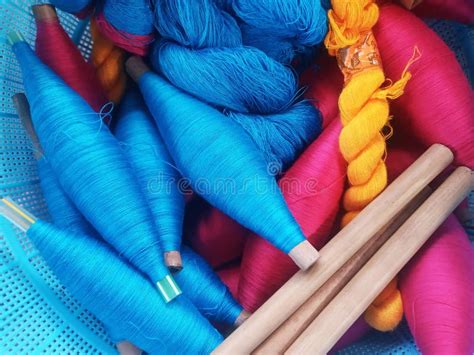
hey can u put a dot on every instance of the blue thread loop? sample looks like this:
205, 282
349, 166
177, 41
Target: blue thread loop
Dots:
203, 54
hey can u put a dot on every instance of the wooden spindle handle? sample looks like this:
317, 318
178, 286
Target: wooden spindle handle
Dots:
364, 287
289, 331
337, 252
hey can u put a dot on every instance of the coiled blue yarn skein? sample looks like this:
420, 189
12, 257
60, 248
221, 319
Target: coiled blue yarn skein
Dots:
72, 6
120, 297
131, 16
220, 160
281, 28
210, 62
90, 165
155, 171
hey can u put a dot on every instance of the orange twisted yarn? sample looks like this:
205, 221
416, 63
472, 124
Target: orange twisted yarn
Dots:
364, 110
109, 62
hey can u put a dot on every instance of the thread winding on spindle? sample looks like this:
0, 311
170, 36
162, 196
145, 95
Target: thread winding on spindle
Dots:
56, 49
128, 24
203, 54
78, 145
312, 188
155, 171
203, 287
435, 285
120, 297
437, 292
207, 292
437, 106
209, 150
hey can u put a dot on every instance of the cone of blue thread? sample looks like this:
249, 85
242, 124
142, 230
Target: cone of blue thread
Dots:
202, 286
91, 168
61, 209
116, 293
207, 147
156, 172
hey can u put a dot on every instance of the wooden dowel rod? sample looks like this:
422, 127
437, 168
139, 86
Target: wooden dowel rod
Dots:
335, 254
287, 333
44, 12
23, 109
364, 287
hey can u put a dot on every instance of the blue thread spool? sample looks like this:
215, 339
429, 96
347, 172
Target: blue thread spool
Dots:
116, 293
155, 171
106, 192
205, 290
210, 150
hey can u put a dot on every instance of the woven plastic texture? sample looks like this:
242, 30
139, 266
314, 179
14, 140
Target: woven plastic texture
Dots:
37, 314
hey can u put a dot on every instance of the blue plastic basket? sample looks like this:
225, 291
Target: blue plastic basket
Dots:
37, 314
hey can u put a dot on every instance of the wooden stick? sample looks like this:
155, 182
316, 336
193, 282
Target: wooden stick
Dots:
23, 109
44, 12
337, 252
357, 295
285, 335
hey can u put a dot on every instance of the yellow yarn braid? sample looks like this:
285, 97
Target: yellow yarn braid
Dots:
364, 113
109, 62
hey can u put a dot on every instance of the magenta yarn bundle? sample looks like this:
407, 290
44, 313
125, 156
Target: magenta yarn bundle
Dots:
438, 292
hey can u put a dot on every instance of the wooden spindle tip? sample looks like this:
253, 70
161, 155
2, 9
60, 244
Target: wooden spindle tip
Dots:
304, 255
442, 149
243, 316
173, 261
136, 67
464, 170
19, 99
127, 348
44, 12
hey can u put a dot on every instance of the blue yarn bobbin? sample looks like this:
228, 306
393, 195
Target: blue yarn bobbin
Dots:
216, 155
116, 293
91, 167
202, 286
155, 171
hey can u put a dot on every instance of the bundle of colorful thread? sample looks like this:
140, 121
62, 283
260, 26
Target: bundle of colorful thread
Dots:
234, 154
